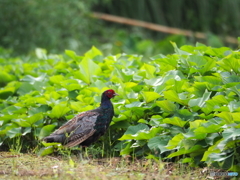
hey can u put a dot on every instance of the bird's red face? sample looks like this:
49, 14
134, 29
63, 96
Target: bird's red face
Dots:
110, 93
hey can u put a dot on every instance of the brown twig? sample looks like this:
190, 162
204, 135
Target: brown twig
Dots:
157, 27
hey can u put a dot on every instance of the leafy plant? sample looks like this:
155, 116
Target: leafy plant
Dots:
178, 107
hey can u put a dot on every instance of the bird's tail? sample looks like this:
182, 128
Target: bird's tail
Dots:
60, 138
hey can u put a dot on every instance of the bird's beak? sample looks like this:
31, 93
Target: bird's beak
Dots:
115, 94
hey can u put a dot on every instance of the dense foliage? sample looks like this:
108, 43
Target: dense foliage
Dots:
58, 25
54, 25
216, 16
179, 107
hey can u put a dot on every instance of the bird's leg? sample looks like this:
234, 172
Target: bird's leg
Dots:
80, 153
86, 152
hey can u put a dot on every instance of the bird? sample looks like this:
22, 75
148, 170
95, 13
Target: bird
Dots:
86, 127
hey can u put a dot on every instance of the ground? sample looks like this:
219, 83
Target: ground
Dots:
30, 166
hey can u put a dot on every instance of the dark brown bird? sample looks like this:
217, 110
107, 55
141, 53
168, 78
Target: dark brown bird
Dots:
86, 127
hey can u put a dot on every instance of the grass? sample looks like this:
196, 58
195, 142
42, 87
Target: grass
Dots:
17, 166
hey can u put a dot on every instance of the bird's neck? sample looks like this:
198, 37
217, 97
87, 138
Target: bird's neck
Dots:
105, 102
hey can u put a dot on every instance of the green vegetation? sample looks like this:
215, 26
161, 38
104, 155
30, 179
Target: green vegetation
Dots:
26, 25
216, 16
177, 110
182, 107
59, 25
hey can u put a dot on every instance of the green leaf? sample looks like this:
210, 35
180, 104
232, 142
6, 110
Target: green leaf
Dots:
26, 130
32, 80
14, 110
6, 92
211, 149
211, 63
230, 63
197, 60
34, 118
134, 130
93, 52
55, 144
127, 149
46, 130
196, 148
173, 96
158, 143
175, 141
175, 121
227, 116
211, 138
234, 106
88, 69
46, 150
14, 132
179, 51
209, 129
25, 88
22, 122
219, 156
141, 134
167, 106
187, 160
230, 134
149, 69
200, 102
135, 104
157, 81
71, 54
57, 79
59, 110
195, 124
171, 60
150, 96
41, 53
220, 99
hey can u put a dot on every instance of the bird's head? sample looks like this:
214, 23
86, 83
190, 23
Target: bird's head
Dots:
110, 93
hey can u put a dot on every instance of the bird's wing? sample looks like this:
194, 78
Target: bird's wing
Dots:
79, 120
79, 128
84, 130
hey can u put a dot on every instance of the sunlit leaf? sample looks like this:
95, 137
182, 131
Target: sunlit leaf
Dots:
175, 141
150, 96
34, 118
173, 96
59, 110
175, 121
149, 69
167, 106
31, 79
227, 116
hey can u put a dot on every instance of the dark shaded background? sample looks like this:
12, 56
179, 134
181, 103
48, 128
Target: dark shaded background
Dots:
59, 25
